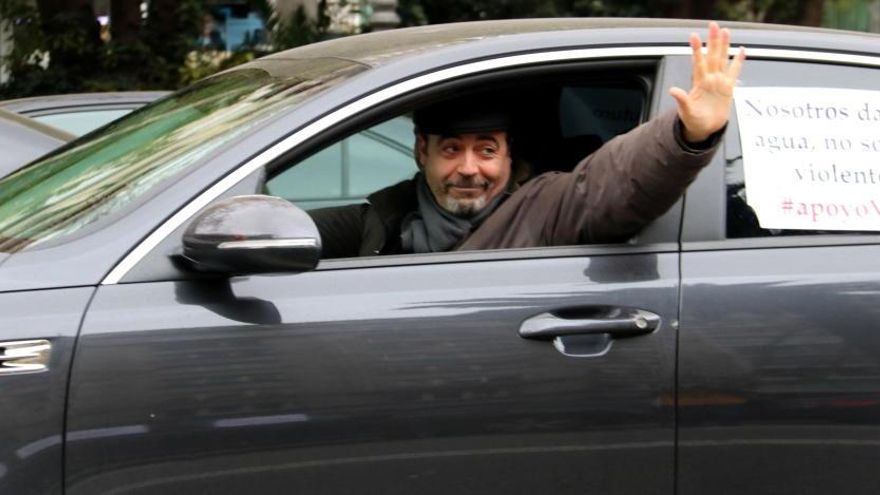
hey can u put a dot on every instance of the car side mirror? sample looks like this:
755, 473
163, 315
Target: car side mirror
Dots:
252, 234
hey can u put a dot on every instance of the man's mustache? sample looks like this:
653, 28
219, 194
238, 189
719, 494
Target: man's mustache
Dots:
471, 183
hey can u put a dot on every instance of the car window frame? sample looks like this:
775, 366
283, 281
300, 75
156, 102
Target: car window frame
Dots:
704, 220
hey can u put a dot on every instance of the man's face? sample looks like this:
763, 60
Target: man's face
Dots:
465, 171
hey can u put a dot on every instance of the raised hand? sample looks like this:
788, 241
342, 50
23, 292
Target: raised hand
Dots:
706, 107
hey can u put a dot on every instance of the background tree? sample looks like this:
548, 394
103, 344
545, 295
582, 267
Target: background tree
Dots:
72, 37
295, 30
808, 12
57, 46
805, 13
126, 24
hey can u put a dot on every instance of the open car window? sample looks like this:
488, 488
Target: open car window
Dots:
347, 171
561, 123
572, 110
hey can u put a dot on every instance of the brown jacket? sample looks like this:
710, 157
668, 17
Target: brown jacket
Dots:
608, 197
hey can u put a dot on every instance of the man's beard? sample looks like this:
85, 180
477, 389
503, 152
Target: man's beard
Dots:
464, 207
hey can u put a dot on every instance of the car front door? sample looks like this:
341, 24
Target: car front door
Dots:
388, 379
393, 374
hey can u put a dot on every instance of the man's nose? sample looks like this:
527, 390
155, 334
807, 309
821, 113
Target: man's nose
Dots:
468, 164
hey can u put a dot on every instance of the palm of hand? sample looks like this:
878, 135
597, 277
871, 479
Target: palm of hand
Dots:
706, 107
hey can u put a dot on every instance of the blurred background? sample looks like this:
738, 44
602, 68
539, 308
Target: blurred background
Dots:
68, 46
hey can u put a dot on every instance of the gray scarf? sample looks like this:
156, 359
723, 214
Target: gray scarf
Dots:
432, 229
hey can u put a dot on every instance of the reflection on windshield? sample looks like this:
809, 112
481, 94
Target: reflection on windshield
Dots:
110, 170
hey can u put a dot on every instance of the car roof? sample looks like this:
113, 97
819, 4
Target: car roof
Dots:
387, 46
23, 139
69, 101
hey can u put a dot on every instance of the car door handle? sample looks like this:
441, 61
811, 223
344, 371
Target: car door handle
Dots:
616, 321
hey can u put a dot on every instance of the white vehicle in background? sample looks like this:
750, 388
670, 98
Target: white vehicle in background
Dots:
82, 112
23, 139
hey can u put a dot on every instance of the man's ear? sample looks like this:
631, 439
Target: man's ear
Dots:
421, 150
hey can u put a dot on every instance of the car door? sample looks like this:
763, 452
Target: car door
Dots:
779, 369
395, 374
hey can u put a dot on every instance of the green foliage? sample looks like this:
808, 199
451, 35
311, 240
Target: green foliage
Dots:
416, 12
201, 64
439, 11
849, 14
170, 30
27, 54
411, 13
132, 65
63, 54
295, 30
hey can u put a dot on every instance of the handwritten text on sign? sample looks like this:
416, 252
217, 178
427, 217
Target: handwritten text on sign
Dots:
811, 157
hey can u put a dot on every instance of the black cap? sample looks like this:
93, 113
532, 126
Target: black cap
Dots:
479, 113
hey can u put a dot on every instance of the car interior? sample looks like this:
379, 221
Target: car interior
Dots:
561, 115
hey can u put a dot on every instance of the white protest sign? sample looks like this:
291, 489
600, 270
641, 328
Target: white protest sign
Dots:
811, 157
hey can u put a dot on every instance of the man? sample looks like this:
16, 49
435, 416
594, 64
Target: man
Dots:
210, 37
466, 196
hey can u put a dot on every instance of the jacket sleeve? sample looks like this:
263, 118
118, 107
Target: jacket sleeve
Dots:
627, 183
341, 228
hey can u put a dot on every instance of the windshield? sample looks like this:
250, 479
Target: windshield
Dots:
112, 168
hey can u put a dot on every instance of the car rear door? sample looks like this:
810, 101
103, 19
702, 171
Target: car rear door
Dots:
779, 342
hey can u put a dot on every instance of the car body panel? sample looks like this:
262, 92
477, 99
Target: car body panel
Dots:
33, 404
399, 44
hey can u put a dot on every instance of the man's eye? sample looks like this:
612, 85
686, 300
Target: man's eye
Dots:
449, 148
489, 151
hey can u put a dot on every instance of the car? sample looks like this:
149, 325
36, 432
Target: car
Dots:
23, 139
168, 327
53, 120
80, 113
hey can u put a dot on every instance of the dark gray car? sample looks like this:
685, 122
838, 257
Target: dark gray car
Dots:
706, 355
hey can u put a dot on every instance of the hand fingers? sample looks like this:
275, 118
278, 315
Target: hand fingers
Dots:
681, 97
713, 47
724, 49
736, 66
699, 63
